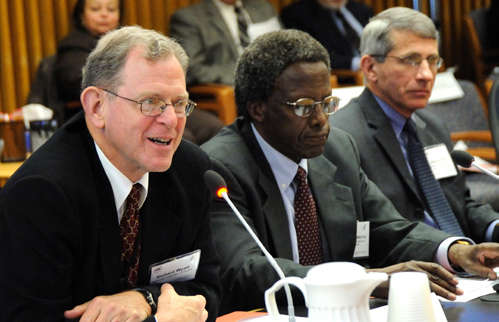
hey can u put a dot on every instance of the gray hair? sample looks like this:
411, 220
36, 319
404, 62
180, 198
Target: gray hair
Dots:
376, 39
264, 60
104, 65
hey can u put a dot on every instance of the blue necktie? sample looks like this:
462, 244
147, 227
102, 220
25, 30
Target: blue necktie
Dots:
427, 183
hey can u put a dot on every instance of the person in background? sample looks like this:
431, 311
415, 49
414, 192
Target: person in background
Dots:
215, 32
92, 222
305, 196
336, 24
91, 19
400, 59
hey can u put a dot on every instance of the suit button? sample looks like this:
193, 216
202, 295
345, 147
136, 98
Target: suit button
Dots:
419, 213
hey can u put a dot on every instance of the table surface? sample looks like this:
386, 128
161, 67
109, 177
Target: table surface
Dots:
7, 169
475, 310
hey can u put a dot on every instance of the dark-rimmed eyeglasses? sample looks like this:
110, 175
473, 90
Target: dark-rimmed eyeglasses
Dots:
414, 61
156, 106
306, 106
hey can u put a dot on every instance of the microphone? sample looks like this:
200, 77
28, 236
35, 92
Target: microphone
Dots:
466, 160
217, 185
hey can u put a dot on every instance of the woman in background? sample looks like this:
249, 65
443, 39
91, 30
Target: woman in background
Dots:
91, 19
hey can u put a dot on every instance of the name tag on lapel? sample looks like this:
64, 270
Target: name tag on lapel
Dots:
440, 161
176, 269
362, 245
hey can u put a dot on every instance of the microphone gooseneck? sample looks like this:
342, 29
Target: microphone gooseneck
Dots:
217, 185
466, 160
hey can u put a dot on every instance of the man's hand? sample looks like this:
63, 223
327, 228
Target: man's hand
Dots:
175, 308
129, 306
476, 259
442, 282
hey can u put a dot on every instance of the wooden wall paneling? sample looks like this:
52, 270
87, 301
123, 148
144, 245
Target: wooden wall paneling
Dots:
19, 46
33, 35
7, 98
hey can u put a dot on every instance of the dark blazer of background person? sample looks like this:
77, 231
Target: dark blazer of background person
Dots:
309, 16
67, 246
203, 33
343, 196
382, 160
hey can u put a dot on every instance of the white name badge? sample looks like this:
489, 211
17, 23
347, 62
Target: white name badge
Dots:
176, 269
440, 161
362, 245
260, 28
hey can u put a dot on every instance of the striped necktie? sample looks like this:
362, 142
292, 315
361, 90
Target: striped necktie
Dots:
242, 25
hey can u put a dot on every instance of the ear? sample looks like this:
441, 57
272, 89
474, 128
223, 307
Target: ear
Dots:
92, 99
369, 68
257, 110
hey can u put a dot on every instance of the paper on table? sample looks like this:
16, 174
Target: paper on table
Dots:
473, 288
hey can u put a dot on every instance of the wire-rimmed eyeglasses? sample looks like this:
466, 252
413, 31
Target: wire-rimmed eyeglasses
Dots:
306, 106
435, 62
155, 106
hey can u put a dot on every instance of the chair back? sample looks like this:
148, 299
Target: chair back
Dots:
467, 120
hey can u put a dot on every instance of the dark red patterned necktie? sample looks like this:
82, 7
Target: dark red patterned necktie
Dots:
306, 222
129, 226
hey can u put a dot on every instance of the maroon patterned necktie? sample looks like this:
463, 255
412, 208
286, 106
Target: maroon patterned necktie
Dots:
129, 226
306, 222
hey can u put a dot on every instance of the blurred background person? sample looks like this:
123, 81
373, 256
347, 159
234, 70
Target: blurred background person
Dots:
91, 19
215, 32
336, 24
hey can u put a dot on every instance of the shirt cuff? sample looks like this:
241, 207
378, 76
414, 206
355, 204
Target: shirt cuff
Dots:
442, 254
490, 231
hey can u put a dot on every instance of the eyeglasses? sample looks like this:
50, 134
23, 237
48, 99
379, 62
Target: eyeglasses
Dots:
156, 106
414, 61
306, 106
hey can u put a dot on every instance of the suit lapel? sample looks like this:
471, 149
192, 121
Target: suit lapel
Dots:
273, 207
220, 27
384, 135
335, 208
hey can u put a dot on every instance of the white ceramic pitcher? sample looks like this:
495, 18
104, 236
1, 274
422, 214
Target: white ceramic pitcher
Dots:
337, 291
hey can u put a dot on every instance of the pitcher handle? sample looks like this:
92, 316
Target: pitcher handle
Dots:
270, 302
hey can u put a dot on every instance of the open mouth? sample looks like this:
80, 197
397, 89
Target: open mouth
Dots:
160, 141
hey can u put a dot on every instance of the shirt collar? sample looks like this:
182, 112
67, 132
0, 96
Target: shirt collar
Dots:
120, 184
396, 119
284, 169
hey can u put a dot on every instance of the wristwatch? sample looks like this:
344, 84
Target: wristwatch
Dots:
149, 299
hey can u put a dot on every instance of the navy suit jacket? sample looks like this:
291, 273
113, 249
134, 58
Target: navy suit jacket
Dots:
343, 196
309, 16
60, 234
384, 163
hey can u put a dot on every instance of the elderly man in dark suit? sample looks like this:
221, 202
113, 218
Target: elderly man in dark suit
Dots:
336, 24
209, 31
400, 61
276, 170
73, 243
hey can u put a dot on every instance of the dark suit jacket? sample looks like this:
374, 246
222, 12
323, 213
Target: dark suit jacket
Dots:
383, 162
202, 32
60, 235
343, 196
309, 16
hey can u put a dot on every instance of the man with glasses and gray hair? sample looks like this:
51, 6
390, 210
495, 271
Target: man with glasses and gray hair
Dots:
112, 210
400, 59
